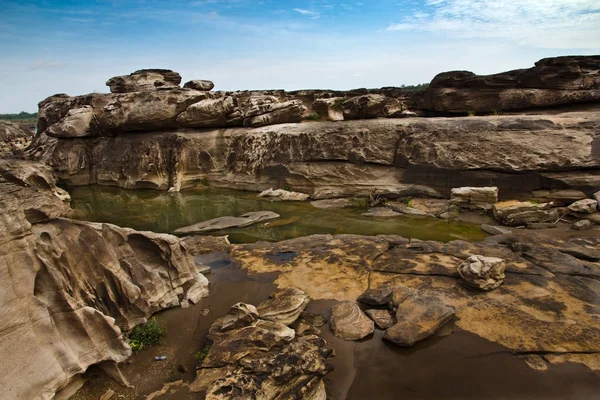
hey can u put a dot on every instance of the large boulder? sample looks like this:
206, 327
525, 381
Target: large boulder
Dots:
586, 206
551, 82
364, 107
144, 80
418, 318
484, 273
474, 197
268, 110
284, 306
515, 213
349, 322
202, 85
218, 112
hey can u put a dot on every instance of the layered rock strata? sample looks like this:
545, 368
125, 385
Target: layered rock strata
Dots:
70, 288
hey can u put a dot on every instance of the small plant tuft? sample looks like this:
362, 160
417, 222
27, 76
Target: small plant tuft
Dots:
338, 104
312, 117
495, 111
471, 113
146, 335
201, 355
360, 202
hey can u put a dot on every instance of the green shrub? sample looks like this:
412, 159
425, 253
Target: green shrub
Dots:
360, 203
146, 335
201, 355
338, 104
471, 113
495, 111
312, 117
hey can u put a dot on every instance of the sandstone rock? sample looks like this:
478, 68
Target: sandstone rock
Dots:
401, 293
144, 80
495, 230
552, 82
408, 114
284, 195
431, 206
202, 85
11, 131
284, 306
558, 197
382, 318
268, 111
332, 203
366, 106
485, 273
329, 109
540, 225
583, 225
210, 113
405, 209
393, 108
515, 213
220, 223
76, 124
597, 197
376, 297
348, 322
418, 317
239, 315
381, 212
587, 206
474, 197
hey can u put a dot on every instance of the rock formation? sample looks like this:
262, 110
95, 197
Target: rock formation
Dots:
551, 82
349, 322
221, 223
144, 80
71, 288
485, 273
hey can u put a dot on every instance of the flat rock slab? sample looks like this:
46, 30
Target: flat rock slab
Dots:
331, 203
348, 322
284, 306
220, 223
381, 212
418, 318
376, 297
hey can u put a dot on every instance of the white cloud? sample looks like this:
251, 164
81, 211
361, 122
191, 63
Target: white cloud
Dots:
310, 13
538, 23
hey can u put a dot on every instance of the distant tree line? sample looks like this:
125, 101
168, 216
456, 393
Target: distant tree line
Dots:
18, 117
421, 86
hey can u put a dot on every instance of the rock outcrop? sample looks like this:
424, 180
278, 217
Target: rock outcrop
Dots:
485, 273
71, 288
199, 85
284, 195
551, 82
474, 197
262, 359
586, 206
221, 223
144, 80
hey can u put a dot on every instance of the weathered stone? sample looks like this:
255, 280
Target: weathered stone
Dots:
495, 230
198, 84
239, 315
597, 197
405, 209
418, 317
210, 113
309, 324
393, 108
382, 318
76, 124
401, 293
587, 206
348, 322
431, 206
332, 203
514, 213
583, 225
376, 297
329, 109
144, 80
474, 197
366, 106
284, 306
284, 195
381, 212
485, 273
12, 130
558, 197
220, 223
269, 113
540, 225
552, 82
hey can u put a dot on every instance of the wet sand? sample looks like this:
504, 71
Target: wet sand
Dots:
454, 364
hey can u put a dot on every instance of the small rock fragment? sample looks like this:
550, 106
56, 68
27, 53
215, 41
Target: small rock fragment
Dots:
583, 225
376, 297
485, 273
382, 318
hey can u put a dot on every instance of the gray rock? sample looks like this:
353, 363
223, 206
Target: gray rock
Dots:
284, 306
348, 322
381, 212
418, 317
583, 225
495, 230
485, 273
228, 222
474, 197
382, 318
144, 80
284, 195
202, 85
586, 206
376, 297
239, 315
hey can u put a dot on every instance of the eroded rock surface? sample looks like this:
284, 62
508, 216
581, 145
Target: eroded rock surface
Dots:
284, 306
485, 273
144, 80
70, 288
349, 322
220, 223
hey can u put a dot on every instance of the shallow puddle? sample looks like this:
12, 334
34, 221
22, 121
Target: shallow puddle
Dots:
164, 212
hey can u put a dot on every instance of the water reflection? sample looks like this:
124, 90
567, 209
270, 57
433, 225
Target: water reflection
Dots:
164, 212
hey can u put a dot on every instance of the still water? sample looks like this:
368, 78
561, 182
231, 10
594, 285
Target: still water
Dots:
164, 212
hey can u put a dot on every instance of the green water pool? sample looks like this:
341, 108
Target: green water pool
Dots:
164, 212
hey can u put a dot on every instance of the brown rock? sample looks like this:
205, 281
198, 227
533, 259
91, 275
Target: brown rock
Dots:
202, 85
376, 297
382, 318
485, 273
348, 322
363, 107
144, 80
284, 306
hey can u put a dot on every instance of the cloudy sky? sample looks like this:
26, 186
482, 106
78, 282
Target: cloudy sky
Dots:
73, 46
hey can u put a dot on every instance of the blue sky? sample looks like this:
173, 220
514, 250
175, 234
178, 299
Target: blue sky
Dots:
73, 47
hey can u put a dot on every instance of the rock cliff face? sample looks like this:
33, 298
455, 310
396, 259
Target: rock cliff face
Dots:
551, 82
426, 156
69, 288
